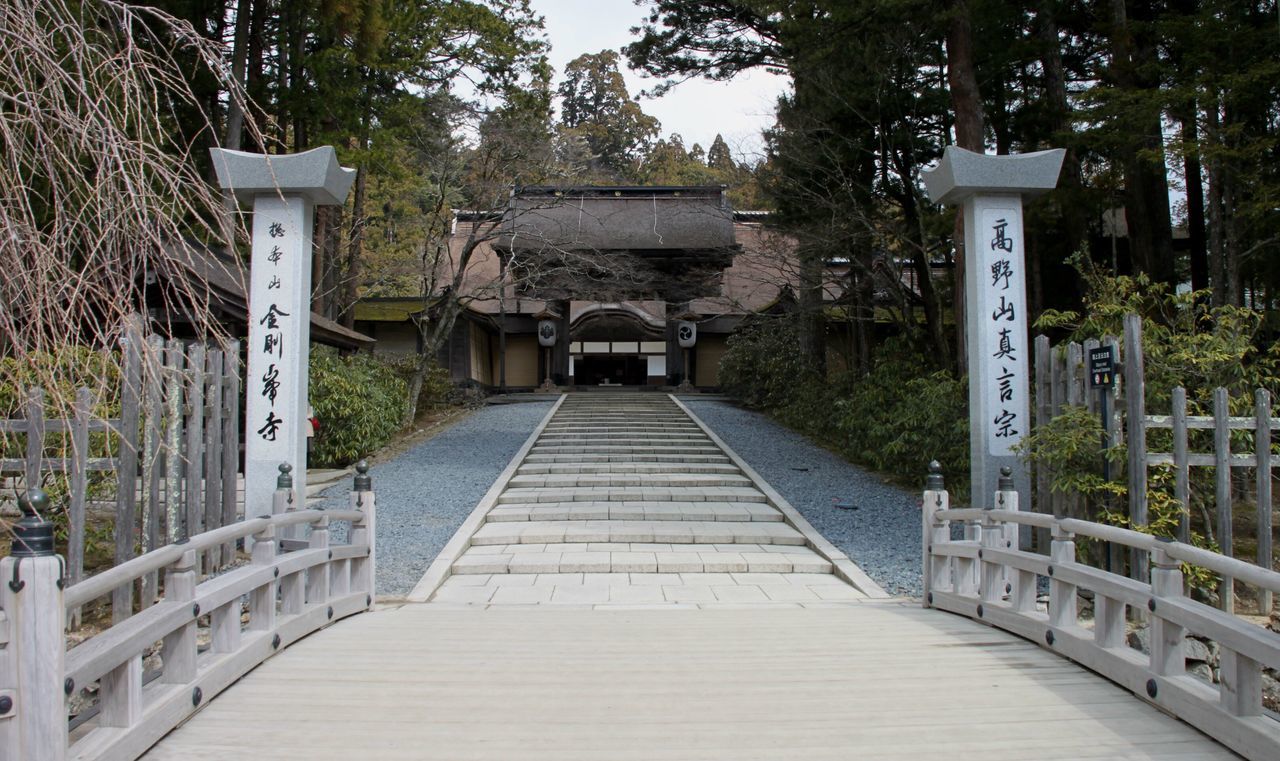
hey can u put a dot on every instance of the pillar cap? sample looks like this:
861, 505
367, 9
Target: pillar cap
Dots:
285, 479
33, 534
962, 174
362, 481
314, 175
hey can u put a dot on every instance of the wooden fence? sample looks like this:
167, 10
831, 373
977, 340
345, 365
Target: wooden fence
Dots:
174, 450
1061, 381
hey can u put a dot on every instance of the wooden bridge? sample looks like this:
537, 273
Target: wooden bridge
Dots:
630, 589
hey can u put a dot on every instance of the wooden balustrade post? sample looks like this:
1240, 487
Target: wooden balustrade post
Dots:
262, 601
282, 500
934, 572
362, 571
318, 575
1063, 606
966, 570
995, 536
178, 650
1240, 689
33, 688
1167, 658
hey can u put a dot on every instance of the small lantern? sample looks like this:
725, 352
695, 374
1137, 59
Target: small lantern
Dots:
546, 333
687, 334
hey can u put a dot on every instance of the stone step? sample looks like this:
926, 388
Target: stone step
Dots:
627, 467
649, 457
622, 448
503, 559
618, 427
672, 532
646, 511
632, 494
651, 590
559, 480
569, 437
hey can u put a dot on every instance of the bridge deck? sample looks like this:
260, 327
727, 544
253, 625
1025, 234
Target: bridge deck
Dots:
637, 504
865, 680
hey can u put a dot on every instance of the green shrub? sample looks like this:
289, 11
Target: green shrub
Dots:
905, 413
359, 400
895, 420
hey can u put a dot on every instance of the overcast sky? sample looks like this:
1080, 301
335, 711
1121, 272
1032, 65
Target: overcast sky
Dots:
697, 109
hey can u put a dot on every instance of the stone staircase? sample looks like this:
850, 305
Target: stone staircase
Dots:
623, 499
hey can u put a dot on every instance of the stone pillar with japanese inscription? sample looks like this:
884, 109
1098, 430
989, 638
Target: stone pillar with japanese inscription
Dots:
990, 191
282, 192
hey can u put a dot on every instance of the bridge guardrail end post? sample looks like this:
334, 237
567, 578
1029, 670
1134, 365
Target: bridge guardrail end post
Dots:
33, 686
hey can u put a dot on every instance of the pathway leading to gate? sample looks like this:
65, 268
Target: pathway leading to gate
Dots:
630, 589
627, 499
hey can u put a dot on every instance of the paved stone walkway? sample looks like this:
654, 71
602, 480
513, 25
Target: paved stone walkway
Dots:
626, 499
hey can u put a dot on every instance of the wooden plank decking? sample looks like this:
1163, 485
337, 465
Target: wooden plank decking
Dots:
630, 589
861, 681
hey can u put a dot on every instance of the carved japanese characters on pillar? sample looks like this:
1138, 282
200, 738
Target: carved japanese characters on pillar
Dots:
283, 192
1001, 304
991, 190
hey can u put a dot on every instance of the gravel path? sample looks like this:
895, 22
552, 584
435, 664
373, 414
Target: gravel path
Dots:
425, 493
882, 536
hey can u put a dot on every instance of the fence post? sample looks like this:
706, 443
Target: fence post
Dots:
1136, 421
33, 709
1222, 491
230, 441
35, 437
127, 483
364, 571
1044, 413
1181, 465
1262, 450
934, 575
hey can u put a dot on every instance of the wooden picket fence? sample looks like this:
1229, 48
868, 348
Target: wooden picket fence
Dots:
174, 451
1061, 381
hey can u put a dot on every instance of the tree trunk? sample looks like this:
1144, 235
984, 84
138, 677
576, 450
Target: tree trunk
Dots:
1195, 200
355, 252
966, 102
239, 64
1067, 236
1217, 236
813, 344
318, 251
255, 69
1142, 153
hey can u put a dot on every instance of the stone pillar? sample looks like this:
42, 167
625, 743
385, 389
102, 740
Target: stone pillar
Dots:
990, 191
282, 192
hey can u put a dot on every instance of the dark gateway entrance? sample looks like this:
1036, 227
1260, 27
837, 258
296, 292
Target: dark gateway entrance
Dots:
599, 370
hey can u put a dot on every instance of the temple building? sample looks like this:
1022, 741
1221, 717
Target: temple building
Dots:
615, 269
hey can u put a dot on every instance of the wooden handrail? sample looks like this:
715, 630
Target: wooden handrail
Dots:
289, 594
1220, 564
987, 577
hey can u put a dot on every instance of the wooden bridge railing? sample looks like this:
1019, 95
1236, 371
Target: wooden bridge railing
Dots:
288, 589
985, 576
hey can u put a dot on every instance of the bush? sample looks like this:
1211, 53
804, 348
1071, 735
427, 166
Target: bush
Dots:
895, 420
359, 400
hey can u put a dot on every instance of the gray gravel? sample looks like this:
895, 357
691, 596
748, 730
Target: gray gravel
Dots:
882, 536
425, 493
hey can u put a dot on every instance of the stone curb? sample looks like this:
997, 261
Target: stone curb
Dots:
844, 567
440, 568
